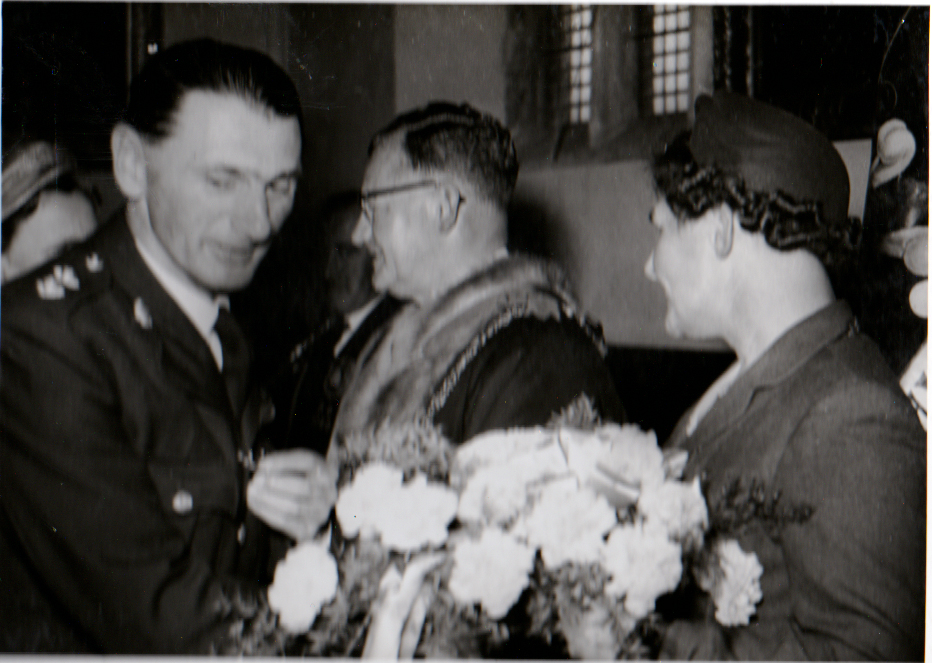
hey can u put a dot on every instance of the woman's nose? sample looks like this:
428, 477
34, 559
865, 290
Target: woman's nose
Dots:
649, 268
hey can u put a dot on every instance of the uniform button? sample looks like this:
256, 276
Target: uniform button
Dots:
241, 534
182, 502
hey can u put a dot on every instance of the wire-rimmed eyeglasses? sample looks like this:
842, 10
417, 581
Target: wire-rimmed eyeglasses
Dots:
365, 200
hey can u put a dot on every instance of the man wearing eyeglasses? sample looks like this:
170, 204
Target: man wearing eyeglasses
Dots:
488, 340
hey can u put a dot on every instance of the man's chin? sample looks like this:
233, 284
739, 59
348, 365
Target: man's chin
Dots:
229, 282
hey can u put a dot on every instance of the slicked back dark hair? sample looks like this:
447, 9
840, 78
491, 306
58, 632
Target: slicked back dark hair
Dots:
204, 64
445, 137
786, 224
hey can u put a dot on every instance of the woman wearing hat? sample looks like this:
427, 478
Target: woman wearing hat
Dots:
810, 458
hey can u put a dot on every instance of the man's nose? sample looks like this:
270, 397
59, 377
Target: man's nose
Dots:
362, 231
259, 218
649, 268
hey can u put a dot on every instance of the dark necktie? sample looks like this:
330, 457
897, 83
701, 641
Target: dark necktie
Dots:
235, 358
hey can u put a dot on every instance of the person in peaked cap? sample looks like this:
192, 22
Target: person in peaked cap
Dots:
126, 418
808, 454
44, 209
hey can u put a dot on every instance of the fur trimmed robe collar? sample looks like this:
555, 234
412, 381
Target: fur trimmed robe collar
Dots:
408, 371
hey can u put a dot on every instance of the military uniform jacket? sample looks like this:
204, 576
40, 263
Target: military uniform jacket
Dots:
121, 484
815, 461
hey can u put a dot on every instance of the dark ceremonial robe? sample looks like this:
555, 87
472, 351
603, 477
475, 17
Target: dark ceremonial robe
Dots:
820, 448
122, 514
507, 347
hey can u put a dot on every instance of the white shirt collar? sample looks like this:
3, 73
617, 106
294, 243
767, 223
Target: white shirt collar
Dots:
196, 303
353, 320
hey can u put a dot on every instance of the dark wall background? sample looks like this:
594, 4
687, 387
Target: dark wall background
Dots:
64, 75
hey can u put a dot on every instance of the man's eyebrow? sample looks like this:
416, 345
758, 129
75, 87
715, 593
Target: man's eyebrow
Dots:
233, 170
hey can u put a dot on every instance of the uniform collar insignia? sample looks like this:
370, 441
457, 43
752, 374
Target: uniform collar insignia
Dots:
49, 288
54, 285
141, 313
94, 263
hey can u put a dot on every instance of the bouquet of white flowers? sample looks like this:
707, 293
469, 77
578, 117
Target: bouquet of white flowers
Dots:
558, 534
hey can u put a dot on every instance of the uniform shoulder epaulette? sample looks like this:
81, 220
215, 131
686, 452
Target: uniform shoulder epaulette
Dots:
68, 275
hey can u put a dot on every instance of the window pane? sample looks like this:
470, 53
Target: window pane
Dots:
575, 58
584, 114
682, 61
586, 76
669, 63
587, 57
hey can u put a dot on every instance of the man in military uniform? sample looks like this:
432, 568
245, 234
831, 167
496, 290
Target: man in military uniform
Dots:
125, 412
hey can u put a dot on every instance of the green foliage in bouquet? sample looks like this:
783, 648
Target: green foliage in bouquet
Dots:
414, 446
341, 627
253, 626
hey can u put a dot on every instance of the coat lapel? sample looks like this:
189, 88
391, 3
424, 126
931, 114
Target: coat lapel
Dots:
185, 359
782, 360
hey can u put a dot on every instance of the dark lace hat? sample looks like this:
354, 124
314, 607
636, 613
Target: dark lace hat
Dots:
29, 169
770, 150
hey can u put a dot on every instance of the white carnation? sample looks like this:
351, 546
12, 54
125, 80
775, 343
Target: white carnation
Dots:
492, 571
407, 516
304, 580
496, 492
676, 506
643, 564
568, 524
497, 447
632, 455
358, 502
736, 588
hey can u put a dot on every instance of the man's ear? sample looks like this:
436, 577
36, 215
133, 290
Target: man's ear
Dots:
129, 161
725, 220
448, 207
